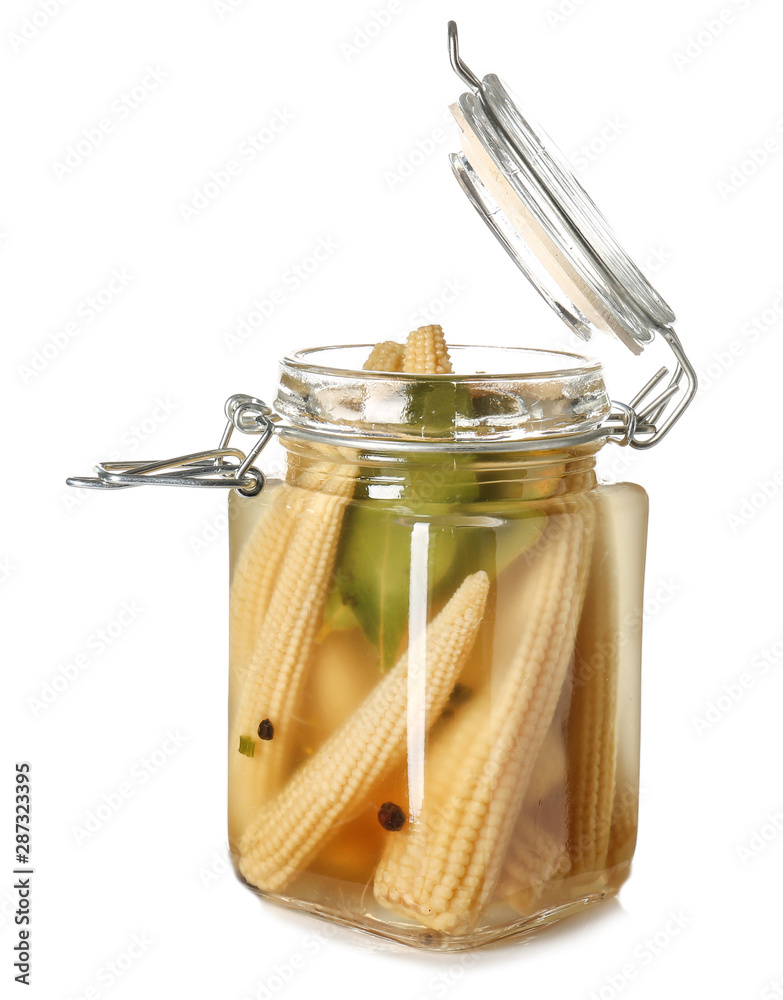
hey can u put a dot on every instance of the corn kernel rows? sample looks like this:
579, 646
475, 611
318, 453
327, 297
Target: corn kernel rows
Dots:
592, 735
444, 870
278, 595
335, 781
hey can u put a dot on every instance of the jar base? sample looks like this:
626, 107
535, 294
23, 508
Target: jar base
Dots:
413, 935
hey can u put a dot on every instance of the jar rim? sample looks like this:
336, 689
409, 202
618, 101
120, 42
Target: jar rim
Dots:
558, 394
572, 364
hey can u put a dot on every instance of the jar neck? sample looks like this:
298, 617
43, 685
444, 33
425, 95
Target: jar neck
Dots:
441, 477
499, 394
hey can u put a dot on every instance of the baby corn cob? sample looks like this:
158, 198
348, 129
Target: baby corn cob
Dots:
256, 572
257, 569
622, 839
274, 676
535, 857
277, 598
341, 674
324, 792
550, 772
593, 715
255, 575
385, 357
425, 352
538, 850
443, 871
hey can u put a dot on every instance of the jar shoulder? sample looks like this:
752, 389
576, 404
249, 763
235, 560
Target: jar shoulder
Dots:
623, 499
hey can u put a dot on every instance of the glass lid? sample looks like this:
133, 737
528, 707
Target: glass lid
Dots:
525, 191
522, 186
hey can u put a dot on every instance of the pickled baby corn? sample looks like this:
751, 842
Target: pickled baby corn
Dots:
468, 802
549, 774
324, 792
278, 593
444, 869
622, 839
274, 677
538, 850
425, 352
592, 729
535, 856
385, 357
255, 576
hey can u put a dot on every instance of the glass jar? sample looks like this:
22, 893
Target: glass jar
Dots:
435, 645
436, 613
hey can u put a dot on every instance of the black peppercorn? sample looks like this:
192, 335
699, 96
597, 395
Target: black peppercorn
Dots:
266, 730
390, 816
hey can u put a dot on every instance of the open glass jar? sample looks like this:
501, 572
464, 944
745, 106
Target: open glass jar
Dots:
435, 634
436, 611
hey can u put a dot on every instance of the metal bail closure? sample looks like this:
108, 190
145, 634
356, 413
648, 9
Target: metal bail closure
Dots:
221, 467
525, 191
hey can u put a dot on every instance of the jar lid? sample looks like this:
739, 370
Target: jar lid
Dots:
524, 190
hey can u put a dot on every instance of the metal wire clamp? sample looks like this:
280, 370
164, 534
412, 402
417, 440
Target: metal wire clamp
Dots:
221, 467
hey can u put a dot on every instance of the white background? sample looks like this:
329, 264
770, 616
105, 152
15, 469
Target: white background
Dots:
659, 105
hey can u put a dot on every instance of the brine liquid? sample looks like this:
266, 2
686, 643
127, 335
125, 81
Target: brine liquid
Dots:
588, 750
